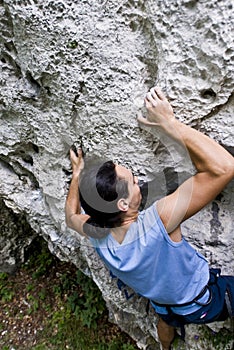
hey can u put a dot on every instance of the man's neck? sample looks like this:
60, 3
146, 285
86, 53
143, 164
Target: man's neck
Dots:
119, 232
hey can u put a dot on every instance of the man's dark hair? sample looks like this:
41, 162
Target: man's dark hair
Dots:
99, 190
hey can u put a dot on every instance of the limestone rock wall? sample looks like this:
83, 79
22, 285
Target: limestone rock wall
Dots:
79, 70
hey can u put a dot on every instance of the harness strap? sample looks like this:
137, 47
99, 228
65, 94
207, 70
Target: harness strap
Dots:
195, 300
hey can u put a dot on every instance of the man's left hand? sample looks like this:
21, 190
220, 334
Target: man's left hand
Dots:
77, 161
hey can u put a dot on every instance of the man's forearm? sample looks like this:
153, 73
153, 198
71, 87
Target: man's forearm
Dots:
72, 206
72, 202
206, 154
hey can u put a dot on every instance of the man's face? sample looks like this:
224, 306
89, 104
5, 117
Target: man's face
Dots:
134, 197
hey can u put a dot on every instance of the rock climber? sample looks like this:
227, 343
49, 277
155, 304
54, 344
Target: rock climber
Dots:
146, 249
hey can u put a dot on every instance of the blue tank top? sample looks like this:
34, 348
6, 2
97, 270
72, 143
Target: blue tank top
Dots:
153, 265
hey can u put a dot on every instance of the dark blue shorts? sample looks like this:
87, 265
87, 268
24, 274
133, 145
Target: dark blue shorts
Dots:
222, 290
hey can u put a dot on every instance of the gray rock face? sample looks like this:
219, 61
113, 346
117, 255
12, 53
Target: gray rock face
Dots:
16, 235
79, 70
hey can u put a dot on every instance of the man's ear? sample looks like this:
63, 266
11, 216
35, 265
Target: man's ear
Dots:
123, 204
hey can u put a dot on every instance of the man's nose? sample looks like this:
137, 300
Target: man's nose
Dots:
136, 179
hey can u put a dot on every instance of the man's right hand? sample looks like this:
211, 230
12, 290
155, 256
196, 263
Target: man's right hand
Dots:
160, 112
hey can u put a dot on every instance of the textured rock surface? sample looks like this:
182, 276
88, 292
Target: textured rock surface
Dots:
73, 70
16, 235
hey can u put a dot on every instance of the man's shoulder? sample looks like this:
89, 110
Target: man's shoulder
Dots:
149, 219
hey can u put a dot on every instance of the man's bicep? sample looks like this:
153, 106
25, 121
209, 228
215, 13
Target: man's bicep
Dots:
76, 223
188, 199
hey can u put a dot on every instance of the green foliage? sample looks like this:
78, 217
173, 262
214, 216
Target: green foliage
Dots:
87, 304
34, 304
3, 277
40, 347
115, 345
6, 292
30, 287
84, 299
222, 340
42, 294
72, 332
179, 344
